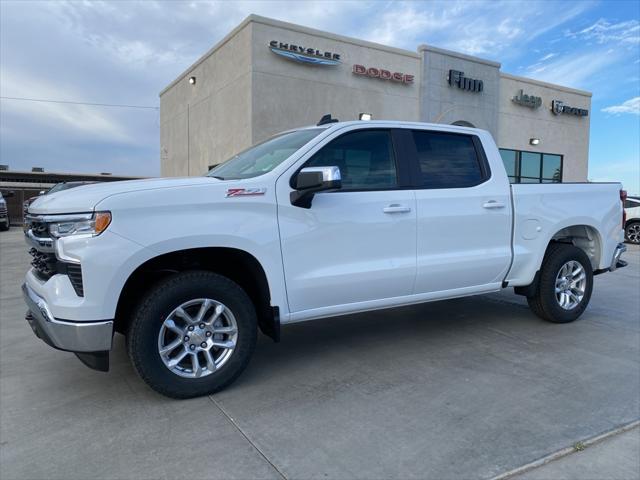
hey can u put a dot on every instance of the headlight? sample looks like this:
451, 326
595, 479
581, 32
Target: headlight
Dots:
81, 224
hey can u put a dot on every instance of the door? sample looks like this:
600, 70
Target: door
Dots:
357, 244
463, 214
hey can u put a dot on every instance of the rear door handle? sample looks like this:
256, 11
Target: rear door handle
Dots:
493, 204
396, 208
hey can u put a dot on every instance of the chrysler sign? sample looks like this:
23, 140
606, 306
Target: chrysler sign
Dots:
304, 53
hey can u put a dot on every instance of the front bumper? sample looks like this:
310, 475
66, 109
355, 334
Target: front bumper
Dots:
90, 341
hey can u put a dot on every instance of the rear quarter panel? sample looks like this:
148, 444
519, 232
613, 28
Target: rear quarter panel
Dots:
542, 210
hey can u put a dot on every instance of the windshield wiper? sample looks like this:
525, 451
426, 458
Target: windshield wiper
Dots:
216, 177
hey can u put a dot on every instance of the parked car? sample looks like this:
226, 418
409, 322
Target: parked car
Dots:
58, 187
312, 223
5, 221
632, 224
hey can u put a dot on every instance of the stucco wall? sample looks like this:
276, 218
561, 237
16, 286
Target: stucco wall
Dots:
206, 123
288, 94
444, 103
559, 134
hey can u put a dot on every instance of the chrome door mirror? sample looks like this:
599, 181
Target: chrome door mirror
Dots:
312, 180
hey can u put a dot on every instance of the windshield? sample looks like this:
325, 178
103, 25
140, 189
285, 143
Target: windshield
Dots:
265, 156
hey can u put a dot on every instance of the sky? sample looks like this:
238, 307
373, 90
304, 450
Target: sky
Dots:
120, 52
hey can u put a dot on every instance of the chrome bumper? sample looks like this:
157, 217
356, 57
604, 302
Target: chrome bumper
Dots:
616, 262
78, 337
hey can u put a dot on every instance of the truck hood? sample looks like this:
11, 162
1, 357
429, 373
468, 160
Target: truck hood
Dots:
86, 197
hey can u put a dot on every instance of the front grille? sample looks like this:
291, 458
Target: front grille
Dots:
45, 264
3, 209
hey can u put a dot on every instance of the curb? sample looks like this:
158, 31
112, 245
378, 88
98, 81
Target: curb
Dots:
566, 451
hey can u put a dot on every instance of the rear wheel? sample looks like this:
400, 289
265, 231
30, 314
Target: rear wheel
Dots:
632, 232
193, 334
564, 286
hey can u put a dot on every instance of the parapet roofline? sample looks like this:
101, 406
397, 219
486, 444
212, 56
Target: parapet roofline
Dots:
293, 27
546, 84
462, 56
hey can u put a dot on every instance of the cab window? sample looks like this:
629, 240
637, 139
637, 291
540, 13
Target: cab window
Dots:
365, 157
447, 160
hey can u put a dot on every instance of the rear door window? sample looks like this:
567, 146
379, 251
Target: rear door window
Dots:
447, 160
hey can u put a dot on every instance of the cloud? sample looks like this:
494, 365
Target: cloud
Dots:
631, 106
602, 31
548, 56
574, 69
476, 28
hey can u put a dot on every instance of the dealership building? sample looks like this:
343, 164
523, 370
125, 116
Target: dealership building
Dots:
267, 76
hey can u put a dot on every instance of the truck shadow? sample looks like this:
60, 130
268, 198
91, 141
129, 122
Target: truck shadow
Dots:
400, 333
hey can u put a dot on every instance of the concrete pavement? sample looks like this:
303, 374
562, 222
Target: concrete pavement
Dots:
467, 388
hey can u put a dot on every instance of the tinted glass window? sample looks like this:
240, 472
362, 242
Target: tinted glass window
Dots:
365, 159
530, 167
551, 168
509, 158
447, 160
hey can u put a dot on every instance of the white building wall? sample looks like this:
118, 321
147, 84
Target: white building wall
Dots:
288, 94
207, 123
564, 134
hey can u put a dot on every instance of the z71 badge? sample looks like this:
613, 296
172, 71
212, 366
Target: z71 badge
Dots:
245, 192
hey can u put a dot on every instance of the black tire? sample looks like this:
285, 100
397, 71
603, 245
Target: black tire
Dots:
631, 234
159, 302
544, 303
4, 226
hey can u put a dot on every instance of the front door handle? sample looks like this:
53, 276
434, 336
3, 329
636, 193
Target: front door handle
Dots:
493, 204
396, 208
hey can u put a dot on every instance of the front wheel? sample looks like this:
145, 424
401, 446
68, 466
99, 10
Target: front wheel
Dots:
632, 232
564, 286
4, 226
193, 334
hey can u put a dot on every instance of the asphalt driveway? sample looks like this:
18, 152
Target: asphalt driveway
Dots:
466, 388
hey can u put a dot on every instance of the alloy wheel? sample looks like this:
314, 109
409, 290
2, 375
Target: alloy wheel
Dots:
633, 233
571, 284
197, 338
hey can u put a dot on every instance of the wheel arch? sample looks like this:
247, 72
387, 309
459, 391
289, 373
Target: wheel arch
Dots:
585, 237
238, 265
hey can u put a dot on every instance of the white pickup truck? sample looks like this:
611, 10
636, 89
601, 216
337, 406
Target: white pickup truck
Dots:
312, 223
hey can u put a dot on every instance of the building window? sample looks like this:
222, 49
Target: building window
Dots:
532, 167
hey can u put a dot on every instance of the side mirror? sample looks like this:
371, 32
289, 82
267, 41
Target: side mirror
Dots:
312, 180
